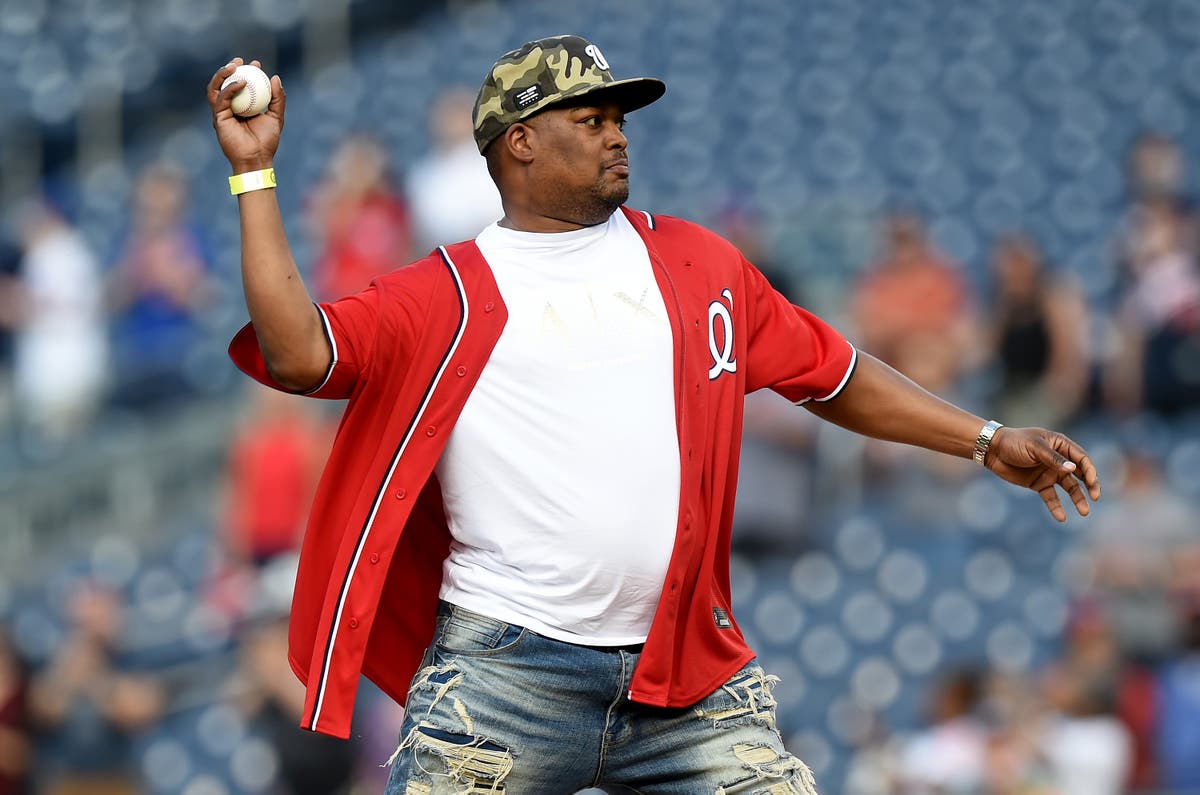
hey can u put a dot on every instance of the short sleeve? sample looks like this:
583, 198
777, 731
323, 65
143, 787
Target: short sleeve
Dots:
791, 350
351, 327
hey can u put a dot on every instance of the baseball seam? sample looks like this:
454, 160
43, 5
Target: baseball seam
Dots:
253, 95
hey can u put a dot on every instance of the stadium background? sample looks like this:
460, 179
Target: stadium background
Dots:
798, 128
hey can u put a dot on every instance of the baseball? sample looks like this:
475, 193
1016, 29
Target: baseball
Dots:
252, 98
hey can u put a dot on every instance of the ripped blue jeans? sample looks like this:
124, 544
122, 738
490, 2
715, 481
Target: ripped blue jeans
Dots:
497, 708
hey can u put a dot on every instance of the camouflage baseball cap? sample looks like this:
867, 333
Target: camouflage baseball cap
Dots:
548, 71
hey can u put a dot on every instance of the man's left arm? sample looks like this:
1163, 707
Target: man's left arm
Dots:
880, 402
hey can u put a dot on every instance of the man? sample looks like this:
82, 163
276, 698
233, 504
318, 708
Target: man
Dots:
534, 477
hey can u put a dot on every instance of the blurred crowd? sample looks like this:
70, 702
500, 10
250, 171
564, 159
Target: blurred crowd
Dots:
1118, 709
84, 330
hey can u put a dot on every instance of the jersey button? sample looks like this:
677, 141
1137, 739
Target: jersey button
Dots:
461, 371
489, 306
354, 623
401, 494
374, 557
430, 430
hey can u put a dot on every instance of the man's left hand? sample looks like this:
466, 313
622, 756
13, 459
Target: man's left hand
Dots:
1039, 459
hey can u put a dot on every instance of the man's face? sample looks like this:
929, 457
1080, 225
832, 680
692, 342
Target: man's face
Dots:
580, 168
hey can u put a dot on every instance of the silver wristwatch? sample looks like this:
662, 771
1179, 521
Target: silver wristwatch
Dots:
984, 440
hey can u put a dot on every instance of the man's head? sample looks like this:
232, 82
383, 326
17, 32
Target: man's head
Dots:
548, 118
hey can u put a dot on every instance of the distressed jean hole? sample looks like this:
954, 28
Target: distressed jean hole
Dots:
742, 699
441, 676
467, 763
460, 739
772, 773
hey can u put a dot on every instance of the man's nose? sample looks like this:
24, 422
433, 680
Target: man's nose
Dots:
617, 138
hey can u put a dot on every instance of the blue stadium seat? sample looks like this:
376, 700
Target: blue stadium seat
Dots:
166, 765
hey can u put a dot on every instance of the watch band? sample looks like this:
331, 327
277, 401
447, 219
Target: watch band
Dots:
252, 180
984, 440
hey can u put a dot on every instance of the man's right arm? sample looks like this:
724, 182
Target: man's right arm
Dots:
290, 333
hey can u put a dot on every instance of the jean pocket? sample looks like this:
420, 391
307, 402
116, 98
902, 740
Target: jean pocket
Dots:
466, 632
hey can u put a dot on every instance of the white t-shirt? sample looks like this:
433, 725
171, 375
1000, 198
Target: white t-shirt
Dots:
1090, 756
60, 356
561, 476
452, 196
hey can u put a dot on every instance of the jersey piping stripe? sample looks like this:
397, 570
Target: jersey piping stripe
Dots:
323, 682
332, 347
842, 384
649, 219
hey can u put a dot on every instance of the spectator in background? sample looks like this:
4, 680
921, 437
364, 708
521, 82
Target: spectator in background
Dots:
1156, 169
266, 690
949, 755
1013, 760
913, 308
272, 469
1036, 335
1088, 749
874, 769
89, 703
54, 309
361, 224
1157, 176
1132, 549
16, 749
1141, 556
1157, 362
1013, 764
452, 196
275, 461
1178, 729
159, 292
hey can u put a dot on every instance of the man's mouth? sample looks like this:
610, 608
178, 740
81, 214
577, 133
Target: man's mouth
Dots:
619, 167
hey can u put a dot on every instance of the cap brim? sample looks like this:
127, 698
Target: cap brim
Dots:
630, 94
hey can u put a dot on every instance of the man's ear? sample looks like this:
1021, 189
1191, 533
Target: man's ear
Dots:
518, 139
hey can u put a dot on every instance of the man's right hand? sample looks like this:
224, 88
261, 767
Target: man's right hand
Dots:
249, 143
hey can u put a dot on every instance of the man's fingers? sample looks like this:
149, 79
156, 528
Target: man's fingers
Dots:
214, 85
278, 99
1084, 469
1045, 449
228, 91
1074, 490
1087, 472
1050, 497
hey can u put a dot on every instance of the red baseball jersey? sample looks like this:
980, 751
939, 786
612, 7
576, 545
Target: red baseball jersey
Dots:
407, 352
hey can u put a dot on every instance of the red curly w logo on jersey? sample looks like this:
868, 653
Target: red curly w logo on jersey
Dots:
720, 336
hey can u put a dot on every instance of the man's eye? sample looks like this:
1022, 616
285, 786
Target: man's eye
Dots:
592, 121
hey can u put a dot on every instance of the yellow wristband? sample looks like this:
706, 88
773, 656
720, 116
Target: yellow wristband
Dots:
252, 180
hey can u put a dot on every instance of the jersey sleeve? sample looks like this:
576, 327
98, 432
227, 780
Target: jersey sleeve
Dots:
791, 350
351, 326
